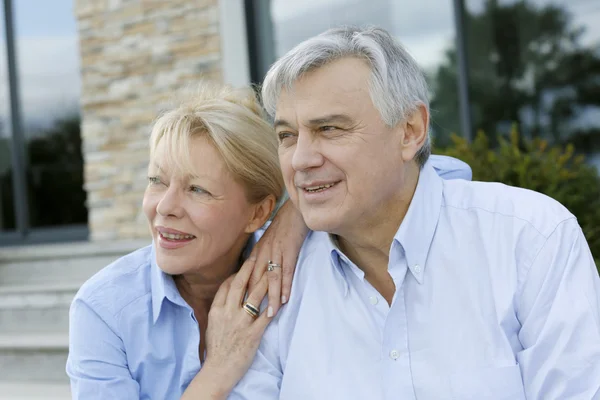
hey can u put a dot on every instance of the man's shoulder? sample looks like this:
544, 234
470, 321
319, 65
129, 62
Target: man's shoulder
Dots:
540, 211
314, 248
119, 283
314, 255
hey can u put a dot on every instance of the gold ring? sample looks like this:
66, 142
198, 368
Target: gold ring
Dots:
251, 310
271, 266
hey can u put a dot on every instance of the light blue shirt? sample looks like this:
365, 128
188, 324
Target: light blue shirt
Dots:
497, 297
132, 335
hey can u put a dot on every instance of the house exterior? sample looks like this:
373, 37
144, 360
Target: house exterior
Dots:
81, 82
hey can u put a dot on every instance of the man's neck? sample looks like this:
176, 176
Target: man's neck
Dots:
368, 244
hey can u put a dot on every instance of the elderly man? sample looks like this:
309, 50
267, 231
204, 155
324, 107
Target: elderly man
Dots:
413, 287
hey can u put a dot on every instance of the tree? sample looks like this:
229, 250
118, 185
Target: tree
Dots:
55, 175
526, 66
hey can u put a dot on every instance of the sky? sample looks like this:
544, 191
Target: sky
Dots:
47, 60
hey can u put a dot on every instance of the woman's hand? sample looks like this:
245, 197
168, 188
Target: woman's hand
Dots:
232, 336
281, 244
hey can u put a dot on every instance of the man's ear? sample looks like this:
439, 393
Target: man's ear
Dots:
261, 212
416, 128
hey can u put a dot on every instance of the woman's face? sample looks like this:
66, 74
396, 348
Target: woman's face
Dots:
198, 219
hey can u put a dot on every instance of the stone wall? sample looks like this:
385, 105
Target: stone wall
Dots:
134, 55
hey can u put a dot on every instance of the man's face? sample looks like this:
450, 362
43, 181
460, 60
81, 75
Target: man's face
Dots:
343, 167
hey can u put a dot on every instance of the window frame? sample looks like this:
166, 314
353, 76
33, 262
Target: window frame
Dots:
24, 234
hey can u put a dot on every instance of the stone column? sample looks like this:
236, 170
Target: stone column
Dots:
134, 55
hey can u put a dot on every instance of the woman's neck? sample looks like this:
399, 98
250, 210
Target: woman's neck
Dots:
199, 287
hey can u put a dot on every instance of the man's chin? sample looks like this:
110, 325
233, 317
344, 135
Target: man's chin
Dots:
320, 221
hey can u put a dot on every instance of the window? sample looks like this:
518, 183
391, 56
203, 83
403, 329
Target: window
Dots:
45, 160
536, 63
425, 28
7, 214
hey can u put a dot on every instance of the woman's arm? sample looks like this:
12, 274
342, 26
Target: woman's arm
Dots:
232, 337
281, 244
97, 364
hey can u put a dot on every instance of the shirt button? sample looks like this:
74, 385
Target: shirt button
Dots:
417, 269
394, 354
374, 300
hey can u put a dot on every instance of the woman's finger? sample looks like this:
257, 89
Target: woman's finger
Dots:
287, 270
259, 326
274, 278
239, 284
257, 295
221, 295
260, 254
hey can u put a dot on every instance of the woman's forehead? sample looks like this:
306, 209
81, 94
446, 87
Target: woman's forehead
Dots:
200, 159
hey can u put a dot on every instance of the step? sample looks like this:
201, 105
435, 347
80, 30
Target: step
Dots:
60, 263
34, 391
37, 358
36, 308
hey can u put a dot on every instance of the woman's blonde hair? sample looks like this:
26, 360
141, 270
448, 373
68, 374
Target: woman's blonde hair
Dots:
235, 124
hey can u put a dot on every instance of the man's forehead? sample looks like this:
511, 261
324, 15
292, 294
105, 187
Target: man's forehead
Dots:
330, 103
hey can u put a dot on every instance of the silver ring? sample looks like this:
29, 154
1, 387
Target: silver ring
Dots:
271, 266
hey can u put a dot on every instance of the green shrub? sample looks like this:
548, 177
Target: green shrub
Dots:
533, 164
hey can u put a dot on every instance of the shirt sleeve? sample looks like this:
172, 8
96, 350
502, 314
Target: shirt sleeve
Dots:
97, 362
559, 311
263, 379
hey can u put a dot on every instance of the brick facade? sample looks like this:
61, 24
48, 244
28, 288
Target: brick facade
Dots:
134, 55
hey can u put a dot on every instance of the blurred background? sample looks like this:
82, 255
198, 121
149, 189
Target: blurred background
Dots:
515, 88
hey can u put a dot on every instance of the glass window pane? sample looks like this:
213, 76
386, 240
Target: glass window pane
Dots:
536, 63
7, 212
425, 28
49, 83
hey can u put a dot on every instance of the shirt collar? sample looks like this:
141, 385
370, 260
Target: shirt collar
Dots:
162, 286
415, 233
337, 257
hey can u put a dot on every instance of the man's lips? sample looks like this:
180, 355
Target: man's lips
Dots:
317, 186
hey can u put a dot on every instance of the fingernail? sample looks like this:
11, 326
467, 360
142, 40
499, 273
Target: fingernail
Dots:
283, 299
270, 312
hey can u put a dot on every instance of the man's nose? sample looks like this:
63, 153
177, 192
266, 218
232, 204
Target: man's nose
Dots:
307, 153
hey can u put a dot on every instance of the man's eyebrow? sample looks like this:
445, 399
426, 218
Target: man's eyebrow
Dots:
283, 123
328, 119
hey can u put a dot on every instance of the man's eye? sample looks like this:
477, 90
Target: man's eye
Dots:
328, 128
284, 135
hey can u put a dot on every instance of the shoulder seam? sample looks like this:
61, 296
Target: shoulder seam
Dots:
537, 253
512, 216
93, 299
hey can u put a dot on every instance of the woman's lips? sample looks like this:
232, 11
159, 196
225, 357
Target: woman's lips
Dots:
169, 238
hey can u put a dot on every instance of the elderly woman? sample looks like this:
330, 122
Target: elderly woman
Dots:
138, 328
141, 327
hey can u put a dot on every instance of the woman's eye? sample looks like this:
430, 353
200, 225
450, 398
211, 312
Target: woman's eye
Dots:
198, 190
153, 180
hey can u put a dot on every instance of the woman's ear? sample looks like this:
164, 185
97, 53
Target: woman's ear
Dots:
261, 212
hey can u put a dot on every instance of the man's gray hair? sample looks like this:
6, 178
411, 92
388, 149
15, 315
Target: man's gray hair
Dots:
397, 87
